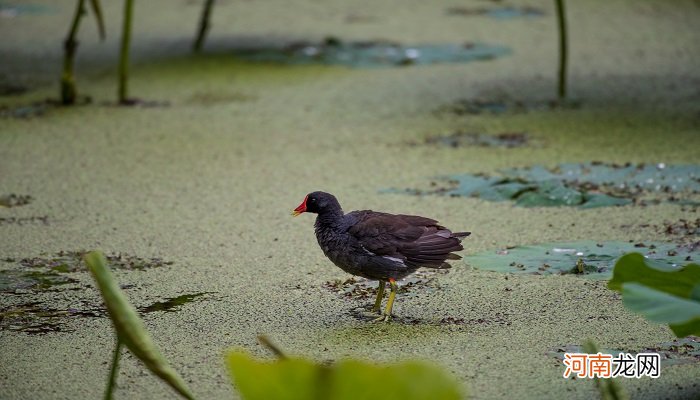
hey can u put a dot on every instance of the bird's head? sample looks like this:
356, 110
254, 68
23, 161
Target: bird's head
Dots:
317, 203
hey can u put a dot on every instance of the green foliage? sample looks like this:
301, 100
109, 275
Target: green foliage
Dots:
130, 329
298, 378
664, 295
596, 259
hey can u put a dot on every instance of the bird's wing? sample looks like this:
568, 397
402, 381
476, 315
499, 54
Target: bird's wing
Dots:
417, 241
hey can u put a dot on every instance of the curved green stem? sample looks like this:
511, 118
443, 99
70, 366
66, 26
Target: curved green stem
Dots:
70, 45
112, 380
563, 48
124, 51
204, 26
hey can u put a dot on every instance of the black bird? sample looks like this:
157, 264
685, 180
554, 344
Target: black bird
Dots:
379, 246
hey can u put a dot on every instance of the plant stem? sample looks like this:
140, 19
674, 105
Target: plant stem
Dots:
563, 48
113, 371
265, 341
68, 89
204, 26
124, 51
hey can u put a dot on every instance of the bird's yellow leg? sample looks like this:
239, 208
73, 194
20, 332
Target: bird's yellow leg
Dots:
380, 295
390, 303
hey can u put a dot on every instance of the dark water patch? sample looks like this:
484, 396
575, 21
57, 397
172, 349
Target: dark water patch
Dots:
15, 200
41, 274
38, 318
679, 351
683, 227
503, 105
495, 319
138, 102
25, 111
470, 139
584, 258
20, 221
213, 98
506, 12
72, 261
369, 54
684, 232
357, 288
172, 304
12, 10
514, 12
38, 108
365, 314
586, 185
21, 281
12, 89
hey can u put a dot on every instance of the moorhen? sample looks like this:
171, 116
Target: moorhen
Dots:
379, 246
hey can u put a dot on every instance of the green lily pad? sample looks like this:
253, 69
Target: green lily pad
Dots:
597, 259
586, 185
661, 294
369, 54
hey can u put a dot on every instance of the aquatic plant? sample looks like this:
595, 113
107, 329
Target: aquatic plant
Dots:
287, 378
661, 294
298, 378
122, 91
584, 258
585, 185
69, 90
563, 48
204, 26
608, 389
130, 330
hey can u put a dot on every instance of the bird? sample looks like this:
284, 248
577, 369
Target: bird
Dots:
379, 246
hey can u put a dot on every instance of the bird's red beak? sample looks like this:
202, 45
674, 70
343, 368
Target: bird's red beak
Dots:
301, 208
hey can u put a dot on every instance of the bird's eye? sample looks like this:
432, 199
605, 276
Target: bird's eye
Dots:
313, 200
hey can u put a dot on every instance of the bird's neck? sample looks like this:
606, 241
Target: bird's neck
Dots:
329, 218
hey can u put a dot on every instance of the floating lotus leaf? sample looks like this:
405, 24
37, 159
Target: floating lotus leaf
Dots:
370, 54
585, 258
586, 185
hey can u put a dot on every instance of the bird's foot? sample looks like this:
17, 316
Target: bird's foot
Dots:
382, 318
